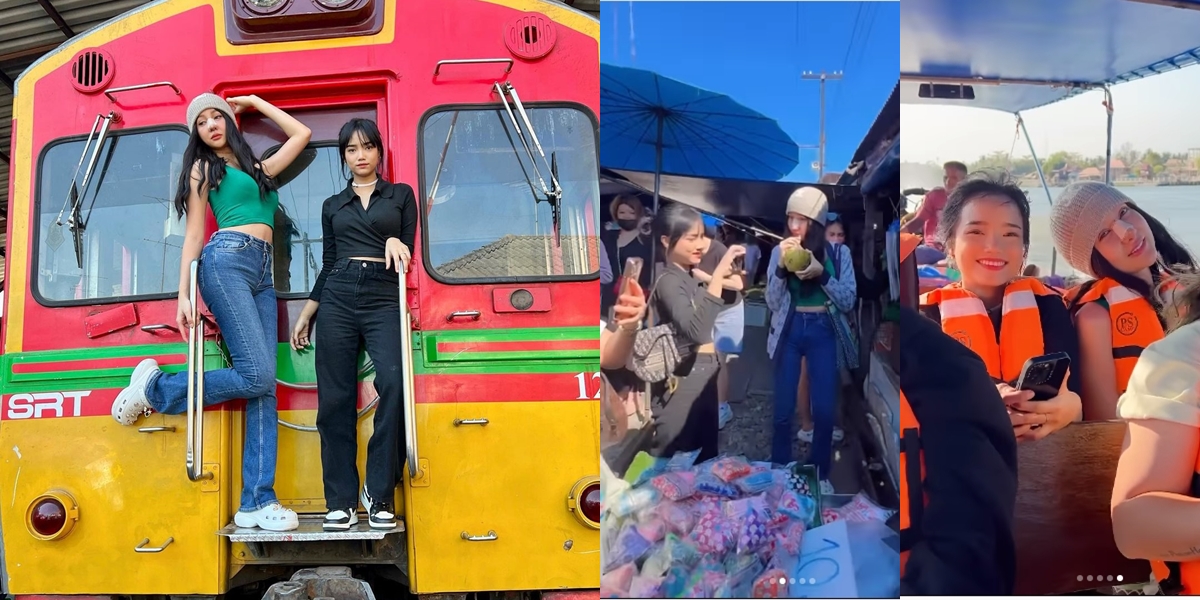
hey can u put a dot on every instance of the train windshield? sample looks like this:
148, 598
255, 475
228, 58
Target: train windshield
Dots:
133, 241
483, 218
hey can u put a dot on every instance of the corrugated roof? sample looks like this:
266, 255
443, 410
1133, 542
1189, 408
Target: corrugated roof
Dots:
28, 30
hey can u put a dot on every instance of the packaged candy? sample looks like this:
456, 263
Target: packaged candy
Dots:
633, 501
675, 485
708, 483
861, 509
619, 579
752, 533
718, 582
671, 552
682, 461
646, 587
677, 517
675, 584
643, 468
628, 547
606, 592
804, 482
653, 530
729, 468
713, 534
742, 570
829, 515
771, 584
790, 538
755, 483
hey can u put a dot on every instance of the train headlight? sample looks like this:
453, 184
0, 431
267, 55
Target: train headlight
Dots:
52, 515
584, 501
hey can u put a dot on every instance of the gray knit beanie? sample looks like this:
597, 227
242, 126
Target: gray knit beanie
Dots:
1079, 215
810, 202
204, 102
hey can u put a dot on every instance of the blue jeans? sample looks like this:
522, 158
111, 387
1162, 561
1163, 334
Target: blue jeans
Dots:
811, 336
236, 283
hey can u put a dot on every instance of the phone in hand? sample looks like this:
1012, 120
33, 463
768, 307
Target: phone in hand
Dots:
632, 272
738, 266
1043, 375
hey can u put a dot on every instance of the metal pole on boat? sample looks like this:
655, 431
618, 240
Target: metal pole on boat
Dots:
1108, 145
1041, 175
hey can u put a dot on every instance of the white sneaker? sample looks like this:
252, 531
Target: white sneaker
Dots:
725, 415
131, 403
806, 436
340, 519
827, 488
273, 517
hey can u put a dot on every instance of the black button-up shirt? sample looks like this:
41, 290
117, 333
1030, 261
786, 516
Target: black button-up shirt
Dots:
348, 230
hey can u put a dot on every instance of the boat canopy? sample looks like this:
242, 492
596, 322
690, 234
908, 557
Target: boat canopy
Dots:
1022, 54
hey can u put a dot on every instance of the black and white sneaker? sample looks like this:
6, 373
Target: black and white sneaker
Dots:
366, 499
341, 520
382, 516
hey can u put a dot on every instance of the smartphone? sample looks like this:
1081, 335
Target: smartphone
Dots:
633, 270
1043, 375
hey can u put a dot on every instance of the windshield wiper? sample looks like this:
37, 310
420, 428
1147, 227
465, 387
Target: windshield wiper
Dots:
74, 199
552, 193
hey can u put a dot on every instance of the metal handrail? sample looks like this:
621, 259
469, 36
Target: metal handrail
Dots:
472, 61
130, 88
195, 397
406, 363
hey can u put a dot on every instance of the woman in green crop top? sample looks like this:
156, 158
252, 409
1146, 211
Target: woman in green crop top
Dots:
235, 279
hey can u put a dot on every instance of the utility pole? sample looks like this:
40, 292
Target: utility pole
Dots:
822, 77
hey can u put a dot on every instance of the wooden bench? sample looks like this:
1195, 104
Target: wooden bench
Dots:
1062, 525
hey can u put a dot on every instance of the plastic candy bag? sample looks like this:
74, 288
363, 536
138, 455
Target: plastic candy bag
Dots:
682, 461
675, 485
713, 534
755, 483
646, 587
830, 515
653, 530
677, 517
633, 501
752, 533
619, 579
708, 483
628, 547
771, 584
789, 538
676, 581
861, 509
728, 468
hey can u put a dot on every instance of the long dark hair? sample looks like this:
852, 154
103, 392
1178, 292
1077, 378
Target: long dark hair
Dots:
814, 241
1171, 254
212, 167
673, 221
367, 130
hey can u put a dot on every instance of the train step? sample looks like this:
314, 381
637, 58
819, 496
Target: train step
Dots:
310, 530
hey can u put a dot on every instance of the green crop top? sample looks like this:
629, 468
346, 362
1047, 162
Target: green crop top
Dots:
237, 201
816, 295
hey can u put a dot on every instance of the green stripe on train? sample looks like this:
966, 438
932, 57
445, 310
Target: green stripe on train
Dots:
296, 367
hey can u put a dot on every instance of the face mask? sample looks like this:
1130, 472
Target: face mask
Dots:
628, 224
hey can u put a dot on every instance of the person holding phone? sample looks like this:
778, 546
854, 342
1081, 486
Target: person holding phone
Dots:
684, 407
1132, 256
368, 230
1005, 318
731, 323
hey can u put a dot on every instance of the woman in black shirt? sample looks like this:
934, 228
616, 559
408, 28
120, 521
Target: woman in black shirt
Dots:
368, 232
685, 406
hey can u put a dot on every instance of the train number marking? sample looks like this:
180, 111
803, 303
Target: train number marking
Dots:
35, 406
582, 379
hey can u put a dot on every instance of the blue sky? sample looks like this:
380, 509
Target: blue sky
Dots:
755, 52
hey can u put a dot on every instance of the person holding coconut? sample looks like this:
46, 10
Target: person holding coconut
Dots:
800, 282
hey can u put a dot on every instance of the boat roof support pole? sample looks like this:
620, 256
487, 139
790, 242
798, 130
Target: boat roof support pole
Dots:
1041, 175
1108, 105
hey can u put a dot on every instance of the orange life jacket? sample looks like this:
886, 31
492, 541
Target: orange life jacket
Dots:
965, 319
912, 477
1133, 321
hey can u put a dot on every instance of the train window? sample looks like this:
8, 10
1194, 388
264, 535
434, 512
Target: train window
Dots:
303, 187
132, 243
482, 220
